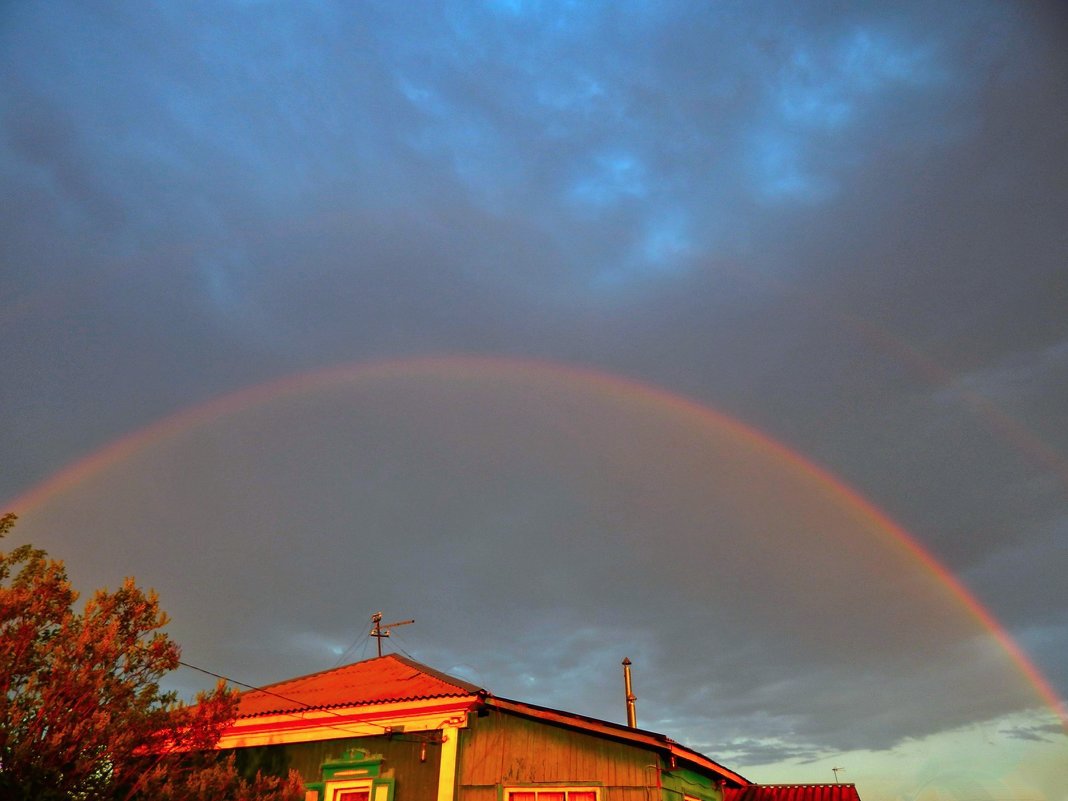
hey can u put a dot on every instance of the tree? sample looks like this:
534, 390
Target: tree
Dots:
82, 715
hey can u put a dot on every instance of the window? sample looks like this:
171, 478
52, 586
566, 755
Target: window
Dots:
379, 790
354, 777
551, 794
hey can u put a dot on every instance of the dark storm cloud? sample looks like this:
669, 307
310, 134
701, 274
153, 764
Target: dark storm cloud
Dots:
1037, 733
841, 224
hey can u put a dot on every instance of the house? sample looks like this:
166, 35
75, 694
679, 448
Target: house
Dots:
392, 729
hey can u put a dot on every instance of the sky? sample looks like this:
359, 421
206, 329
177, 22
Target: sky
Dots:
729, 337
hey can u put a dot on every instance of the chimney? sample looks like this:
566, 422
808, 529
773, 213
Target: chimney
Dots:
632, 716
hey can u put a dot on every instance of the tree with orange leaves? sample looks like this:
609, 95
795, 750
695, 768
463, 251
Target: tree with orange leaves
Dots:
82, 715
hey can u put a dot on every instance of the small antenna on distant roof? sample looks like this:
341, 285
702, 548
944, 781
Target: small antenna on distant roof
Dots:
835, 772
378, 631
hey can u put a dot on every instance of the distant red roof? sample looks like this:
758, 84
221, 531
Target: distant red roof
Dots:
384, 680
792, 792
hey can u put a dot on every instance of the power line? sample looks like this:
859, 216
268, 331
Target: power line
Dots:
401, 648
363, 636
286, 699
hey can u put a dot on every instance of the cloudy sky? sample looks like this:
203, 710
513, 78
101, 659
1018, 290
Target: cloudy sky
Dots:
729, 337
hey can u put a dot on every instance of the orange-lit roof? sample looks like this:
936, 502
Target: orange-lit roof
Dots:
386, 679
792, 792
394, 679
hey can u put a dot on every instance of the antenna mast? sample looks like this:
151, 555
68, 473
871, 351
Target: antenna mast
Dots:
378, 631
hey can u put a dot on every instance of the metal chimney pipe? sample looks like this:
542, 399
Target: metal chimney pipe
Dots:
632, 715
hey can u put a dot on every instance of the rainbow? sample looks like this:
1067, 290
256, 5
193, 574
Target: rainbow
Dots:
472, 367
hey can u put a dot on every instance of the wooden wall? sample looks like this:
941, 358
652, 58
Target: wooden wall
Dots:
496, 750
415, 780
502, 749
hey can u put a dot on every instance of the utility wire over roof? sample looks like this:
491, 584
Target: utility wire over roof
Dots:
387, 679
396, 679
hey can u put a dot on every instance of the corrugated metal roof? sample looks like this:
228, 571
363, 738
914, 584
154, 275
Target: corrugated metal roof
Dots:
382, 680
792, 792
395, 679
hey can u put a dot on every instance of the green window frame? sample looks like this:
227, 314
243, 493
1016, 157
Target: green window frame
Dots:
354, 777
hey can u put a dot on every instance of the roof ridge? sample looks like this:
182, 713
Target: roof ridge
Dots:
437, 674
567, 713
458, 683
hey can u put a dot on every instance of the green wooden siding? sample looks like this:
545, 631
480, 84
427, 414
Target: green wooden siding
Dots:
415, 780
680, 782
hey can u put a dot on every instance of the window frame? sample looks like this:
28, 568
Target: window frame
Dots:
358, 770
566, 789
333, 788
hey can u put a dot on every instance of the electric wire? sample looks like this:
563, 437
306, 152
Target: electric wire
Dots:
366, 642
414, 736
299, 716
394, 635
365, 635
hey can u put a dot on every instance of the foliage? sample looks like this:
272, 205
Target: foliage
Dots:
82, 715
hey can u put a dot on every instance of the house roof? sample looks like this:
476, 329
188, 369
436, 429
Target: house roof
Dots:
383, 680
792, 792
395, 679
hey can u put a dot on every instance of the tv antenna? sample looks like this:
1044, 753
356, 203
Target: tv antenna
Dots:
378, 631
835, 772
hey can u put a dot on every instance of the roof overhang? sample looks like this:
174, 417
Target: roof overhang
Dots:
348, 721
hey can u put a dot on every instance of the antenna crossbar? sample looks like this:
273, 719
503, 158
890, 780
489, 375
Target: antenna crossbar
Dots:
378, 630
